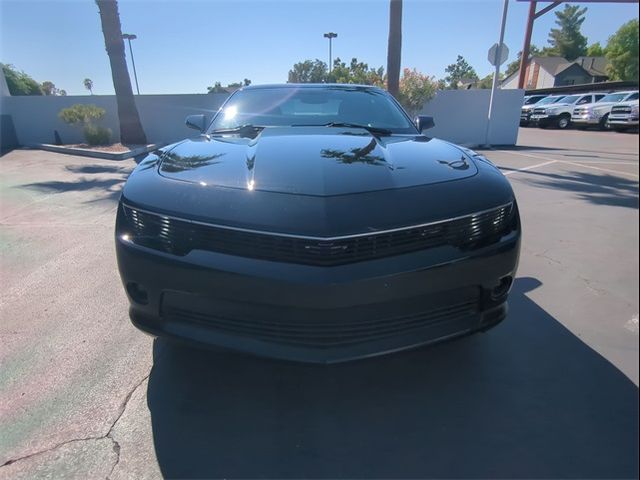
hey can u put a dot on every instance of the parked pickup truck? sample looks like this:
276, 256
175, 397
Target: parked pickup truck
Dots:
530, 101
597, 114
624, 116
559, 113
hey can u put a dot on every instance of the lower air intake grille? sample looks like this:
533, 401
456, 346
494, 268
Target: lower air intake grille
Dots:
179, 237
322, 329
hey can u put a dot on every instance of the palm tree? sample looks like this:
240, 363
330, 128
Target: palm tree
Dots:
394, 48
131, 131
88, 84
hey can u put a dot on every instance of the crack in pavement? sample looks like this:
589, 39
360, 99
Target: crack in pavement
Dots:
116, 445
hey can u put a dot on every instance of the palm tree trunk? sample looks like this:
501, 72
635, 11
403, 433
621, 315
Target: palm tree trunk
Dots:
131, 131
394, 49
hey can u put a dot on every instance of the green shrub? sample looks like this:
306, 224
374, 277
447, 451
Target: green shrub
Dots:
83, 116
96, 135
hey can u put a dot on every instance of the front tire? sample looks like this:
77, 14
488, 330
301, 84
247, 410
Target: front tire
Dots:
563, 122
604, 123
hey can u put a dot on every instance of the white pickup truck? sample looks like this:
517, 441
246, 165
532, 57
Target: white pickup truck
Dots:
624, 116
597, 114
559, 114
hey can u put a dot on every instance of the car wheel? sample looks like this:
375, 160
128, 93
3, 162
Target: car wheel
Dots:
563, 122
604, 123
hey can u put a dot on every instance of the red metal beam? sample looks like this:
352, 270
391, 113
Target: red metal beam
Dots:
546, 9
524, 59
533, 15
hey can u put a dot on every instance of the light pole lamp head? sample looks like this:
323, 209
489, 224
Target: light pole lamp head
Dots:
129, 36
330, 35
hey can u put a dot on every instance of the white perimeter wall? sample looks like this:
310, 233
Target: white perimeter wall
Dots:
460, 116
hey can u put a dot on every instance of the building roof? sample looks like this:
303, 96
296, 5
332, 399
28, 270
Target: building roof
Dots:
553, 65
596, 66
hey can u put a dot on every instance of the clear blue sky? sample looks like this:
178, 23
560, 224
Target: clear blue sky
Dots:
184, 46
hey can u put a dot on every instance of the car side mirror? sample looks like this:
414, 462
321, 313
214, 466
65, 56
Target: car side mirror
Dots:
424, 122
197, 122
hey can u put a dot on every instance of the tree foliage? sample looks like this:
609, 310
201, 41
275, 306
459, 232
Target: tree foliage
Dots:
308, 71
596, 50
49, 88
459, 71
622, 52
567, 41
514, 66
81, 114
487, 82
415, 90
316, 71
84, 115
19, 83
356, 72
88, 84
218, 88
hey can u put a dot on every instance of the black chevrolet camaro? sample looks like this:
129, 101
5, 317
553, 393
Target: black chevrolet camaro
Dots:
316, 223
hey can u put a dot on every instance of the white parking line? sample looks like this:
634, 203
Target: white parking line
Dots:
556, 160
618, 172
531, 167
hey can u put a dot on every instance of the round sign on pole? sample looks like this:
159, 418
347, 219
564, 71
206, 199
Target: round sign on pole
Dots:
497, 56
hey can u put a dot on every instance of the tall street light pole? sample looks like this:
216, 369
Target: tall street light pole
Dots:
128, 37
330, 36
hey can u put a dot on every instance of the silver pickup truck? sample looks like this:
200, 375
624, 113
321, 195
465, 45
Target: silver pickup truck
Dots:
597, 114
624, 116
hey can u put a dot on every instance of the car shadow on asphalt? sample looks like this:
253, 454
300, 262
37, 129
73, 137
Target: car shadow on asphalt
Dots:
526, 399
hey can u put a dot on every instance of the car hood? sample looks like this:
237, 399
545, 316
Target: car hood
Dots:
599, 105
319, 161
561, 105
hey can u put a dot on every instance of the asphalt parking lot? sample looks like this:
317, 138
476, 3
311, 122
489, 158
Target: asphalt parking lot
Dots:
551, 392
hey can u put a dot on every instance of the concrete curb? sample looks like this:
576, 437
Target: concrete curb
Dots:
84, 152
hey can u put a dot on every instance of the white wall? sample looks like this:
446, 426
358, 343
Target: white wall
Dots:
36, 117
545, 79
460, 115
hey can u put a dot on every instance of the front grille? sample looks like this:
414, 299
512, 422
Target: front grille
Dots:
539, 111
179, 237
319, 329
580, 111
621, 110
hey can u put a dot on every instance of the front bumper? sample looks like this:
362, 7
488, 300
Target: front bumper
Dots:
545, 119
585, 120
318, 314
623, 121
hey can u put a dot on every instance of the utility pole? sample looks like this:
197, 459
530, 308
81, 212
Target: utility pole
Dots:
330, 36
128, 37
499, 58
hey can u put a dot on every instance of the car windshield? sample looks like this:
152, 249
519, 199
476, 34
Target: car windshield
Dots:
613, 97
304, 106
549, 100
571, 99
532, 100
